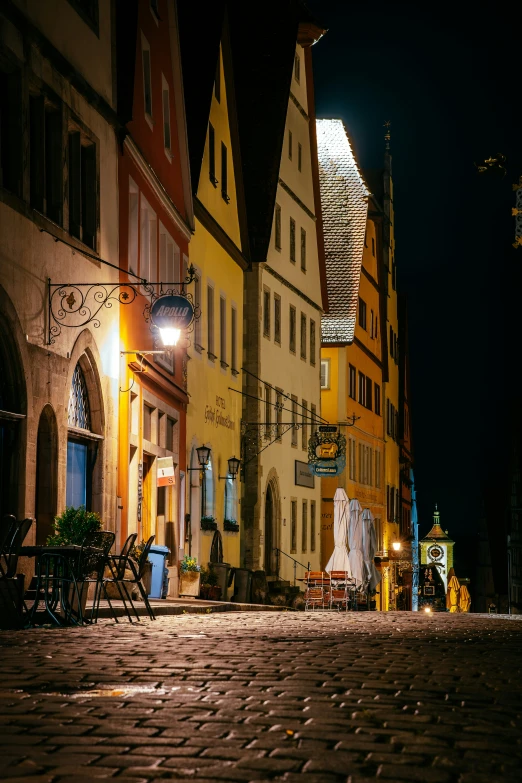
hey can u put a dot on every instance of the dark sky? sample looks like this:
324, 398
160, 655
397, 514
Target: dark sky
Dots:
450, 87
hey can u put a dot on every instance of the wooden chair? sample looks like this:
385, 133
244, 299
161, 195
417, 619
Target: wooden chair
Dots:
317, 589
342, 585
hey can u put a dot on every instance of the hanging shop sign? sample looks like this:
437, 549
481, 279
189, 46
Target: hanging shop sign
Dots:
165, 472
172, 311
327, 452
303, 476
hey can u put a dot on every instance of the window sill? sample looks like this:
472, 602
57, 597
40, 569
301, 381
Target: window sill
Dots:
149, 121
199, 348
224, 365
168, 154
235, 373
214, 181
225, 197
211, 356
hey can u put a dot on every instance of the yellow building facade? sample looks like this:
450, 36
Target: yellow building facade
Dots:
213, 372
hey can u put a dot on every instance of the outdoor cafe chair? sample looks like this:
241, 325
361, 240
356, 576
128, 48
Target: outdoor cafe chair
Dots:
116, 565
317, 587
92, 562
11, 584
341, 586
120, 566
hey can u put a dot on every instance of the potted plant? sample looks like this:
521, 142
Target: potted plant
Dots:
231, 525
71, 527
208, 523
209, 587
146, 580
189, 573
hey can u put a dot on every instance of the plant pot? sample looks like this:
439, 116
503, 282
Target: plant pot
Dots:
83, 589
208, 524
231, 527
214, 593
189, 583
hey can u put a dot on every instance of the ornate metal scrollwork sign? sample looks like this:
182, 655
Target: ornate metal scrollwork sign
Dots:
327, 451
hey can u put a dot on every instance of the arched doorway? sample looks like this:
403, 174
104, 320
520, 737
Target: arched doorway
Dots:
12, 415
270, 538
46, 474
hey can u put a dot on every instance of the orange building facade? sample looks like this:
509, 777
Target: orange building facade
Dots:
156, 222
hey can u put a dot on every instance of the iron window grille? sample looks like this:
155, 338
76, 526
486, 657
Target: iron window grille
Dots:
79, 414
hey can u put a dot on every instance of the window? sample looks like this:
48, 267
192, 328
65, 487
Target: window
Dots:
362, 389
312, 343
293, 526
378, 534
377, 396
290, 144
362, 313
391, 342
313, 416
88, 10
147, 86
352, 448
297, 68
299, 156
230, 499
268, 412
266, 312
369, 393
210, 323
169, 258
352, 381
304, 425
217, 81
372, 327
212, 155
279, 413
377, 468
303, 250
294, 420
233, 347
277, 319
304, 526
166, 114
82, 181
223, 331
292, 329
224, 174
46, 166
155, 10
373, 246
207, 494
277, 227
303, 336
11, 150
147, 422
79, 452
134, 208
148, 244
197, 323
325, 373
312, 526
292, 240
169, 435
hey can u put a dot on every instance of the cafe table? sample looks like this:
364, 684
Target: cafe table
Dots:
58, 583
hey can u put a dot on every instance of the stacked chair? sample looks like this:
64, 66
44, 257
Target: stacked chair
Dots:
342, 590
124, 572
317, 590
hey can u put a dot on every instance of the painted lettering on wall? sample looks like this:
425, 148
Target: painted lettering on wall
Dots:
217, 416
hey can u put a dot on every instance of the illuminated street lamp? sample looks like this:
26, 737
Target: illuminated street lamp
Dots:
171, 314
233, 469
396, 546
203, 453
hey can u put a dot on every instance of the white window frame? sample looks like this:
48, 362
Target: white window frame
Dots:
211, 321
223, 331
233, 340
325, 366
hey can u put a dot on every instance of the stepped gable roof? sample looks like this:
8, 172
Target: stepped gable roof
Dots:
344, 201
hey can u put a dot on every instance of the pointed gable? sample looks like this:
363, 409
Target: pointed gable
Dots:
344, 201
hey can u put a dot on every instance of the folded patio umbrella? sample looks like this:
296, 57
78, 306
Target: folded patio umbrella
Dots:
452, 596
464, 599
340, 561
369, 549
355, 542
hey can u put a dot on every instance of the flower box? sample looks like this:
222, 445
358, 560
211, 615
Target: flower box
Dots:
189, 583
208, 523
231, 526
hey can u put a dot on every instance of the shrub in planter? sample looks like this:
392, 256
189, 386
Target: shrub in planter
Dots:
208, 523
189, 574
231, 525
72, 525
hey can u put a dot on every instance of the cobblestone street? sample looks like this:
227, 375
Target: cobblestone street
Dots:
265, 696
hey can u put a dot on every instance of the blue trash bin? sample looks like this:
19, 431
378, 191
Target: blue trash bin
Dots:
157, 556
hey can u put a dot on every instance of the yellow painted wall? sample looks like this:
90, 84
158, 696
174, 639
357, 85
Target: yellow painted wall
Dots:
214, 411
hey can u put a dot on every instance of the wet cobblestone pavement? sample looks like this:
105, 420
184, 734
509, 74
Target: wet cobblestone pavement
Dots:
306, 697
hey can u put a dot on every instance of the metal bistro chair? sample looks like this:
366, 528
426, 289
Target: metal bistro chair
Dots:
122, 564
93, 559
116, 565
12, 584
342, 584
317, 588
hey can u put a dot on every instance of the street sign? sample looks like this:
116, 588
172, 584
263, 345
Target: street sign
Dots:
327, 428
165, 472
172, 311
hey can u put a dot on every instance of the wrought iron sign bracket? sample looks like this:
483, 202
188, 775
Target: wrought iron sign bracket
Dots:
74, 305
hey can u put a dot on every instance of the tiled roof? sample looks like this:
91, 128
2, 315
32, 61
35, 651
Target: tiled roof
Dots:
436, 531
344, 201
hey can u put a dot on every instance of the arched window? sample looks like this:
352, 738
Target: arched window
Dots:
81, 449
230, 499
207, 496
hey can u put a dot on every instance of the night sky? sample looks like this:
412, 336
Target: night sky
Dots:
449, 87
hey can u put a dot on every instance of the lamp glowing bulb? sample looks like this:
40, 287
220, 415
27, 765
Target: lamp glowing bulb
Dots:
396, 545
427, 610
170, 337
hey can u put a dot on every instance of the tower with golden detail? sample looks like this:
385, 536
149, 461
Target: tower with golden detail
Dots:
436, 549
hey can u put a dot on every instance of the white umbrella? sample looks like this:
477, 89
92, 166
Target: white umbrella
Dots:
339, 560
355, 542
369, 549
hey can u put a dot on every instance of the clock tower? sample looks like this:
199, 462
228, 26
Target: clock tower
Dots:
437, 549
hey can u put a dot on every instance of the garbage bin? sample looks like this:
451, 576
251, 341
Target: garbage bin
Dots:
242, 586
157, 556
222, 571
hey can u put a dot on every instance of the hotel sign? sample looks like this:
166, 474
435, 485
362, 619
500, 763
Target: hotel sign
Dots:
327, 451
